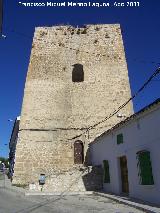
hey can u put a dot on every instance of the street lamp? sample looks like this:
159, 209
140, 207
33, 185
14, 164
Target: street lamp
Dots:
10, 120
119, 115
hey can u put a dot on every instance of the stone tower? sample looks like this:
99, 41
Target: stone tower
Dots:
76, 78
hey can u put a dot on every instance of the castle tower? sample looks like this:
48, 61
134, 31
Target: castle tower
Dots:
76, 78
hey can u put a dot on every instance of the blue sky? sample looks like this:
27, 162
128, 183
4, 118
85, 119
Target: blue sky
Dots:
141, 35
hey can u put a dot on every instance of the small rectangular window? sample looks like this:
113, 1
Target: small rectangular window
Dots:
119, 138
106, 175
145, 168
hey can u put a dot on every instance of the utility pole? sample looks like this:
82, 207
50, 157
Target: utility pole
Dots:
1, 16
1, 20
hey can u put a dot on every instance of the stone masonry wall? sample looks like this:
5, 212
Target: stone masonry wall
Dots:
55, 110
76, 179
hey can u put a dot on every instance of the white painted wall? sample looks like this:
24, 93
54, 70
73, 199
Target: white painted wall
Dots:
141, 133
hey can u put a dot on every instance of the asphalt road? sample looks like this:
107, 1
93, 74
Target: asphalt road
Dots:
11, 202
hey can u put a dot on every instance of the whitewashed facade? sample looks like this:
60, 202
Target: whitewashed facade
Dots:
141, 133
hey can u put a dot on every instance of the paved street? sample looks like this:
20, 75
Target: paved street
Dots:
11, 202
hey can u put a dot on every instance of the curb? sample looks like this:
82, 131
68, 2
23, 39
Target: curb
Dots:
58, 193
143, 207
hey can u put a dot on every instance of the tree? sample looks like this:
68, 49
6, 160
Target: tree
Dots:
5, 161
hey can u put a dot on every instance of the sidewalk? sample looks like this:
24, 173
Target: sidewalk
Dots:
136, 203
6, 183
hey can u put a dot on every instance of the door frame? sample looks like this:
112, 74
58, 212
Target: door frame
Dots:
82, 156
120, 175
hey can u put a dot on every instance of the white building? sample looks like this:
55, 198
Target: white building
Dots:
130, 155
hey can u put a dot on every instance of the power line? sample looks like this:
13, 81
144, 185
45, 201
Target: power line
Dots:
143, 61
122, 106
70, 48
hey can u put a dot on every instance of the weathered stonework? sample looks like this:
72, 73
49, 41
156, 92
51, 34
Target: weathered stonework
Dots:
55, 110
75, 179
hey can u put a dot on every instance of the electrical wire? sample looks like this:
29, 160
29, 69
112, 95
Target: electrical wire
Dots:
123, 105
70, 48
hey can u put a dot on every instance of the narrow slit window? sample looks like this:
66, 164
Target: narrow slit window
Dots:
77, 73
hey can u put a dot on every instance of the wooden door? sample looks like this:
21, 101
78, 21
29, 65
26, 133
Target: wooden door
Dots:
124, 174
78, 152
